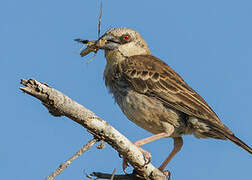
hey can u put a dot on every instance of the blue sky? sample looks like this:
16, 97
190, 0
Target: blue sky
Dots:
209, 43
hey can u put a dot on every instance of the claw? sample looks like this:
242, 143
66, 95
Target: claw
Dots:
147, 158
125, 165
146, 154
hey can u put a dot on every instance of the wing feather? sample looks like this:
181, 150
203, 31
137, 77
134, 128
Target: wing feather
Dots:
151, 76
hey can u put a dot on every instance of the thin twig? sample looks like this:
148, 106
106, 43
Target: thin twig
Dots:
113, 174
68, 162
99, 33
99, 21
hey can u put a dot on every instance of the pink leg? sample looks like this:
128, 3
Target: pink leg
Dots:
152, 138
178, 143
145, 141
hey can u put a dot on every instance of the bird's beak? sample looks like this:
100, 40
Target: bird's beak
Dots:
108, 42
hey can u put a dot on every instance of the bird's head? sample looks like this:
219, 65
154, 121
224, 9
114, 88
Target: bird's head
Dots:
125, 41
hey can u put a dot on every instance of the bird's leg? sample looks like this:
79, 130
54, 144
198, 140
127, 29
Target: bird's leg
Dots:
141, 142
178, 143
152, 138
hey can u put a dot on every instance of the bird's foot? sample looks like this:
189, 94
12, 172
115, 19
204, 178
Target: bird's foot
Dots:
146, 154
147, 158
167, 173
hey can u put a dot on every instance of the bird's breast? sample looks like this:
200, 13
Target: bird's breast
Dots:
145, 111
148, 113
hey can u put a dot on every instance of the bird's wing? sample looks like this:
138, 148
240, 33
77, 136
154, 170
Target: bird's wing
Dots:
149, 75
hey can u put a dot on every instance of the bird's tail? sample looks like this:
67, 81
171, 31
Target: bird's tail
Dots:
229, 135
220, 131
239, 142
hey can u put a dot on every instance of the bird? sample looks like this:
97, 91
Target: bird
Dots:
153, 96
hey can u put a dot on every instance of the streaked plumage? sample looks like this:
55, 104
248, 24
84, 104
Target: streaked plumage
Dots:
153, 95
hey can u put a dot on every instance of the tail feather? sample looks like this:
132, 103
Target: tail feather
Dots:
225, 132
239, 142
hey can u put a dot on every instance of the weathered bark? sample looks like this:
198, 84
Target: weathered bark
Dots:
59, 104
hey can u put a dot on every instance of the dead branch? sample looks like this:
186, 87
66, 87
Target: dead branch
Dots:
59, 104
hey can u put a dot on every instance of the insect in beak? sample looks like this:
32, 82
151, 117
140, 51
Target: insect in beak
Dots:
90, 46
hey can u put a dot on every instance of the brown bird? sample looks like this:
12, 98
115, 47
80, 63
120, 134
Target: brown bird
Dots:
152, 95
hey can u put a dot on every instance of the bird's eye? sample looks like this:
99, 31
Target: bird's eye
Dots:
125, 37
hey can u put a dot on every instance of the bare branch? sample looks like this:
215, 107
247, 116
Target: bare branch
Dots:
59, 104
68, 162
